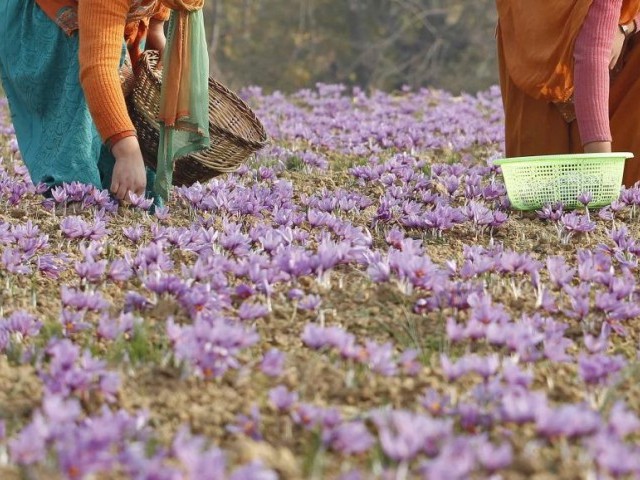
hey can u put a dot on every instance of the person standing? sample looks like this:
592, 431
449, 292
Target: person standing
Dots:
60, 62
569, 76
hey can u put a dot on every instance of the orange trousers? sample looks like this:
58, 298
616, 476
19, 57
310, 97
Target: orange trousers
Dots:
536, 127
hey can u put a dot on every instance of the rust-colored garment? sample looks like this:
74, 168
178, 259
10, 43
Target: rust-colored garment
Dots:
536, 71
539, 44
540, 40
101, 24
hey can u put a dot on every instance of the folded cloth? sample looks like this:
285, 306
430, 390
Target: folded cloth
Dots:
184, 97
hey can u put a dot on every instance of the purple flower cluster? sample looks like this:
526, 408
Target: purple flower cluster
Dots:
68, 371
380, 358
75, 227
117, 442
210, 345
18, 327
397, 181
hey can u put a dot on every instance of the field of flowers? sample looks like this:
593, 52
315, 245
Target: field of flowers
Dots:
357, 302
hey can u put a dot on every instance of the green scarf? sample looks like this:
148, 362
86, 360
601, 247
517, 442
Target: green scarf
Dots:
184, 98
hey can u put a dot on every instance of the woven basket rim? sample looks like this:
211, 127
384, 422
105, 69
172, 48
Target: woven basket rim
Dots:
569, 158
149, 58
236, 132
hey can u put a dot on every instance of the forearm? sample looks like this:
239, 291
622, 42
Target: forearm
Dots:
156, 39
591, 71
101, 27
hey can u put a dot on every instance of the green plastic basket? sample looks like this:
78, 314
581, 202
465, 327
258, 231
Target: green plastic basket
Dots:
533, 182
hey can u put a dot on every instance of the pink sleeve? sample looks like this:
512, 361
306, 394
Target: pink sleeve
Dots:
591, 71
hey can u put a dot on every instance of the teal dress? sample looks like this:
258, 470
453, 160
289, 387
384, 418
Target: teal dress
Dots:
39, 67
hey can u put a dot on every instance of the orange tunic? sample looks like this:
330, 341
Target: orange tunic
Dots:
535, 49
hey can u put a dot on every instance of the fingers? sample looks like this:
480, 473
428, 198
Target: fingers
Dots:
129, 173
118, 188
122, 193
141, 190
121, 189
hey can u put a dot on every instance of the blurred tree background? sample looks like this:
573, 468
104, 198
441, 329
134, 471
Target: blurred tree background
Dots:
386, 44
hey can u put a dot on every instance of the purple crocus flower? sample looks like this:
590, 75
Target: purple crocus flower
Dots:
555, 347
518, 405
248, 425
585, 198
409, 362
198, 462
615, 458
599, 344
252, 311
253, 471
139, 201
380, 358
570, 421
282, 398
310, 303
295, 294
435, 403
456, 461
352, 475
272, 363
307, 415
575, 223
119, 271
21, 323
29, 446
559, 272
133, 233
59, 194
494, 458
60, 410
403, 435
93, 301
551, 212
75, 227
133, 301
513, 375
91, 271
162, 213
350, 438
606, 214
622, 421
314, 336
73, 322
599, 369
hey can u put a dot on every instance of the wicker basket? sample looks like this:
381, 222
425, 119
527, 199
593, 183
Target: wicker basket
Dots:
234, 129
533, 182
127, 78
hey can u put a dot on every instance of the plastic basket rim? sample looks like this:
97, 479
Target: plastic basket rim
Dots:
569, 157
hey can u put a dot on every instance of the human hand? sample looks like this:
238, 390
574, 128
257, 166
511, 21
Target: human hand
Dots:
129, 174
597, 147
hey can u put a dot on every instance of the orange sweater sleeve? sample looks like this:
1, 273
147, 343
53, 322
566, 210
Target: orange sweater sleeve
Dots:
101, 29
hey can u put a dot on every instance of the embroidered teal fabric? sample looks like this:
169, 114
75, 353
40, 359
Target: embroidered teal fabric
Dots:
40, 76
